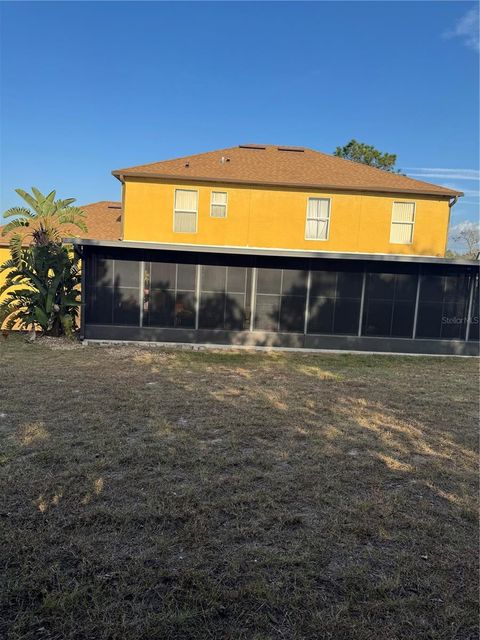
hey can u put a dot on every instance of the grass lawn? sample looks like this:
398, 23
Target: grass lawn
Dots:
151, 494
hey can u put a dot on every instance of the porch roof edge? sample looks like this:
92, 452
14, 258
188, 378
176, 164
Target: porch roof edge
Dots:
259, 251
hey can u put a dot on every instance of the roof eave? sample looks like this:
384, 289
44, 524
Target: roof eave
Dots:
122, 174
263, 251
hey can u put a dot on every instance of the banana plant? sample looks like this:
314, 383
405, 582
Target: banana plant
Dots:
41, 290
46, 221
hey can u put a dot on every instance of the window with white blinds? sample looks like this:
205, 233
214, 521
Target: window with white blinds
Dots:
218, 205
403, 220
185, 211
318, 219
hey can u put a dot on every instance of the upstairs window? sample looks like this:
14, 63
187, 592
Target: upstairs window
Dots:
218, 205
403, 220
185, 211
318, 219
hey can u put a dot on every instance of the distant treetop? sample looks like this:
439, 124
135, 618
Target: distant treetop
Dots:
367, 154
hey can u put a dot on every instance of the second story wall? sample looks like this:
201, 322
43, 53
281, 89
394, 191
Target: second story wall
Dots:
277, 218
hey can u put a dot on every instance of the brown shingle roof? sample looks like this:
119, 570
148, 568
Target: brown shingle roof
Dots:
283, 166
103, 220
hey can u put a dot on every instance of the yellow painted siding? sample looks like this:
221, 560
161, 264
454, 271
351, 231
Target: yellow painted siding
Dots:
4, 256
275, 218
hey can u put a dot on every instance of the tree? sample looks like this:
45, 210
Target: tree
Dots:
41, 289
366, 154
449, 253
42, 280
43, 223
467, 234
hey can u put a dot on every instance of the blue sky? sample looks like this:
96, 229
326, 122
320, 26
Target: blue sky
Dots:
87, 87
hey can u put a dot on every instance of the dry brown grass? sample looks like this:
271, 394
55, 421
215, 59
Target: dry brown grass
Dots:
152, 494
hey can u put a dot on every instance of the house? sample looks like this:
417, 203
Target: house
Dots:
286, 198
280, 246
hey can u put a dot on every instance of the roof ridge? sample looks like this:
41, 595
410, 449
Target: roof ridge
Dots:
175, 159
89, 204
310, 169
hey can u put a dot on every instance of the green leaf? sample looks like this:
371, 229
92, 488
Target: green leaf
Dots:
71, 302
16, 249
15, 224
38, 194
29, 200
22, 212
41, 317
63, 204
67, 324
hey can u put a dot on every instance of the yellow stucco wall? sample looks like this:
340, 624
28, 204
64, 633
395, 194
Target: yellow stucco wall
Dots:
4, 256
275, 218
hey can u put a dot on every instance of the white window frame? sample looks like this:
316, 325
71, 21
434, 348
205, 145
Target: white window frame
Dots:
396, 222
214, 203
327, 219
175, 210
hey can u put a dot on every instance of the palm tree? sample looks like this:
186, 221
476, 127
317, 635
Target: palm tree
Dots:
43, 223
42, 290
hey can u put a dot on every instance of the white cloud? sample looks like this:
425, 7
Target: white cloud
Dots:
444, 174
458, 239
467, 28
473, 193
465, 225
451, 178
